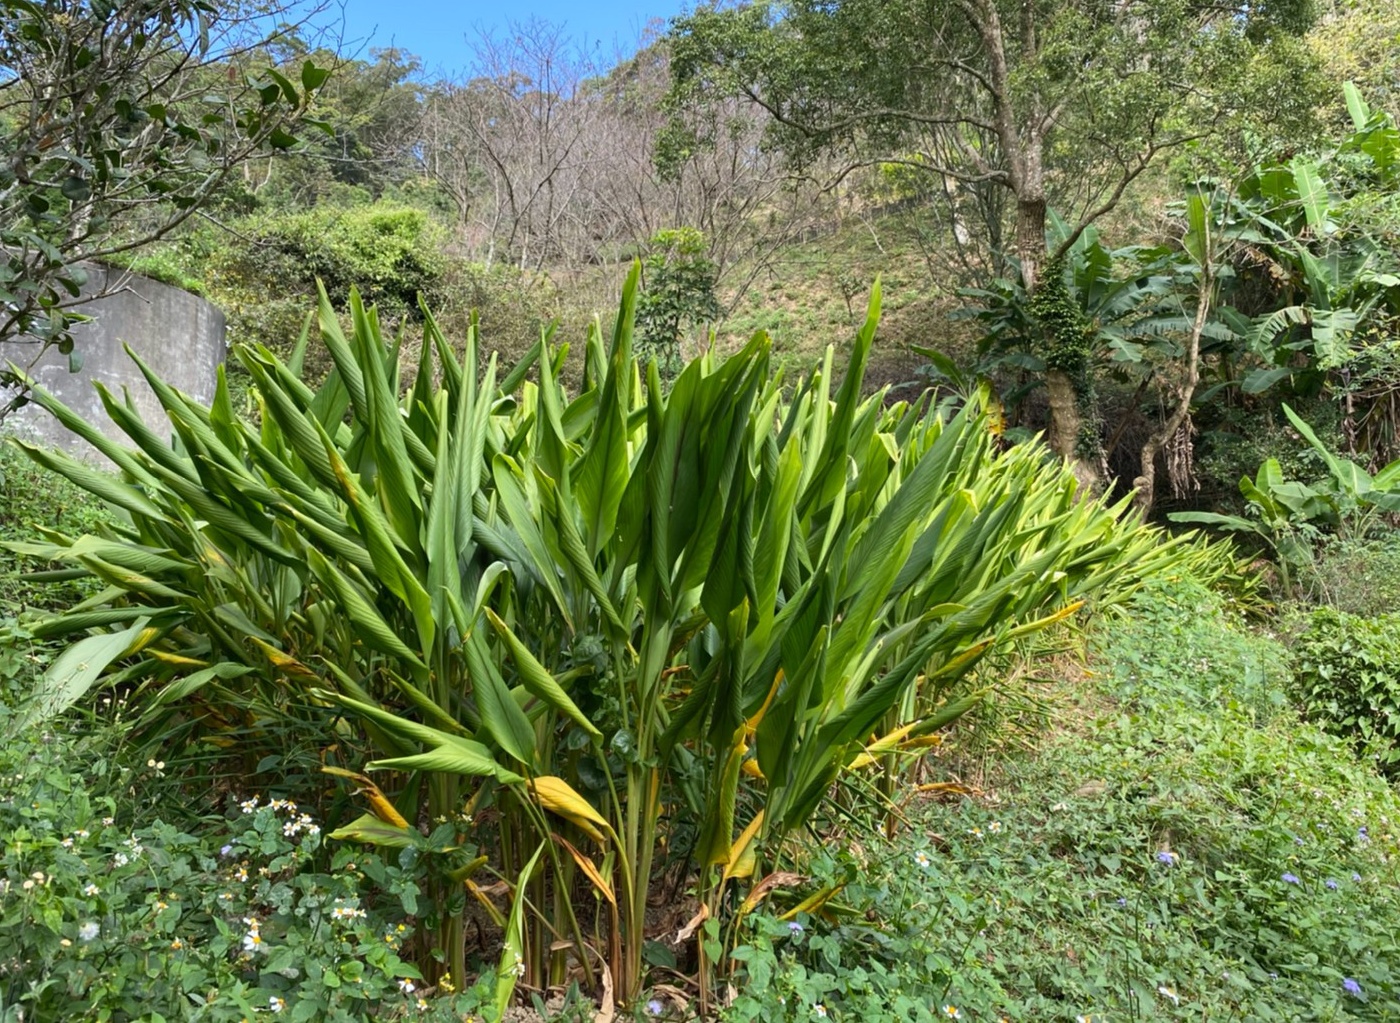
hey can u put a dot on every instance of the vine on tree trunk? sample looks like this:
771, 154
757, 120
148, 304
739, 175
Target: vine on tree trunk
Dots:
1067, 345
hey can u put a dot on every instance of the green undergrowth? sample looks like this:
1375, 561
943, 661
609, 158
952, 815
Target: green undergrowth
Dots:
109, 910
31, 499
1182, 847
817, 287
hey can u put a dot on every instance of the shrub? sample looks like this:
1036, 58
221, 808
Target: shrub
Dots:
391, 253
1348, 678
265, 278
106, 912
678, 294
577, 611
1361, 577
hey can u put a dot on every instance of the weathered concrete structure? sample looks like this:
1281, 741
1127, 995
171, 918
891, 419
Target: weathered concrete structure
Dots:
180, 335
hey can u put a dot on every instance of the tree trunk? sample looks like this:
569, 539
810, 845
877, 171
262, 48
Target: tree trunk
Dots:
1146, 483
1066, 420
1024, 148
1062, 435
1030, 237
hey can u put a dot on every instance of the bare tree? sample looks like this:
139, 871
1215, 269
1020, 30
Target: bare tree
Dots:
554, 163
506, 144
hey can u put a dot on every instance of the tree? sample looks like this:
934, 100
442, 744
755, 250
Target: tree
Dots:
1054, 102
373, 110
678, 293
118, 121
506, 144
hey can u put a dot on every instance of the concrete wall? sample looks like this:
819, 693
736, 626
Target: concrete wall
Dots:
179, 335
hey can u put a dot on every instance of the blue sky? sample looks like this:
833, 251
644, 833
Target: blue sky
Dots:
440, 32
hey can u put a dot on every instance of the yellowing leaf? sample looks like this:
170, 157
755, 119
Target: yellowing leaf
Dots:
742, 857
752, 724
761, 891
886, 744
693, 924
814, 902
556, 796
378, 801
286, 663
589, 870
176, 659
370, 830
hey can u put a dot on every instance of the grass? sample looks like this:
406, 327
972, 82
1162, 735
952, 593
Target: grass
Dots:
32, 499
815, 291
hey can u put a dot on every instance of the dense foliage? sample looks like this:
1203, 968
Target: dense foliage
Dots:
509, 652
109, 139
589, 606
1348, 670
1182, 848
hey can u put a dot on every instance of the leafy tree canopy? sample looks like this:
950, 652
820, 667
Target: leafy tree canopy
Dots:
119, 120
996, 92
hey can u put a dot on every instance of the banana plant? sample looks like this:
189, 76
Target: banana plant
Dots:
1287, 513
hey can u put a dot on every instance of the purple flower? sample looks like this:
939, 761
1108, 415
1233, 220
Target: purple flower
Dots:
655, 1008
1297, 840
1332, 884
226, 850
1167, 858
794, 928
1291, 877
1356, 878
1351, 987
1122, 902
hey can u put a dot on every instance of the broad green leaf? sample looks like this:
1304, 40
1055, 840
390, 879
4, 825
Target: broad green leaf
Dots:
178, 689
537, 679
1197, 241
601, 477
108, 488
77, 670
394, 481
1357, 106
512, 963
1355, 480
525, 523
453, 756
1257, 381
1312, 193
501, 717
375, 631
370, 830
1215, 519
